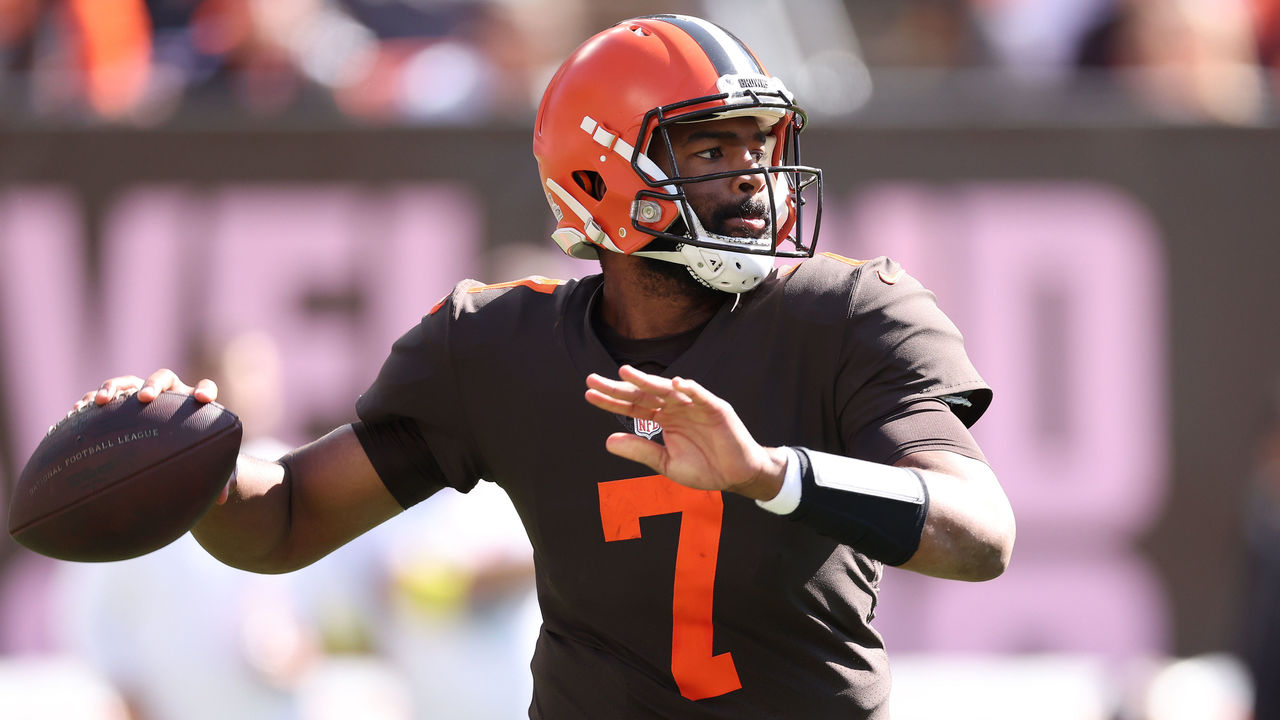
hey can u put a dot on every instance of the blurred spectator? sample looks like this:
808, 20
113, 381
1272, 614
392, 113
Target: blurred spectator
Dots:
424, 62
248, 371
459, 61
1037, 39
54, 689
1266, 21
1187, 60
1204, 687
924, 34
114, 43
812, 45
138, 61
18, 19
463, 605
1261, 614
462, 61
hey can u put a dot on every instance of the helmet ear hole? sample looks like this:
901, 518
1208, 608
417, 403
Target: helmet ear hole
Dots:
590, 182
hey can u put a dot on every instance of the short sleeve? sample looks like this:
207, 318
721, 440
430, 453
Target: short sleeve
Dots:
917, 427
899, 348
418, 383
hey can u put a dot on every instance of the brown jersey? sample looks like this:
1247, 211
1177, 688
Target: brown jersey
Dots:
658, 600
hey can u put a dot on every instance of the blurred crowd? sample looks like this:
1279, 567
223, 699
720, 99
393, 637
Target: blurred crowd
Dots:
454, 61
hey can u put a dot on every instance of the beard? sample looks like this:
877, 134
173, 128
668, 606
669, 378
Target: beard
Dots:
674, 280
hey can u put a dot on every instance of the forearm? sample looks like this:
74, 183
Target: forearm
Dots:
247, 531
936, 513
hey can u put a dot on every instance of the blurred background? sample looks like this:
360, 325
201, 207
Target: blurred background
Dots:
270, 191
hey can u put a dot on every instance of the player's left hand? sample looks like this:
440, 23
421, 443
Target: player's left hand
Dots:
707, 446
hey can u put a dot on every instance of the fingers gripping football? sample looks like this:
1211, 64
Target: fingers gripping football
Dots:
157, 382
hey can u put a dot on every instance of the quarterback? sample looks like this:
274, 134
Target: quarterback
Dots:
714, 458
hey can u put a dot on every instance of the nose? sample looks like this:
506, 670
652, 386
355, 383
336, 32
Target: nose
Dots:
749, 183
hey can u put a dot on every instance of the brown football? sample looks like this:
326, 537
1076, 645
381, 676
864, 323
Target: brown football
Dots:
120, 480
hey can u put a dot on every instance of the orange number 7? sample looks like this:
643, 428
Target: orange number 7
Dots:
698, 673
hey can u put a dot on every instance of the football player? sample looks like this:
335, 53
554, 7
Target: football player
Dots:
711, 525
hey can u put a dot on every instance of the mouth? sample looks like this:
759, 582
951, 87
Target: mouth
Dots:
746, 219
746, 226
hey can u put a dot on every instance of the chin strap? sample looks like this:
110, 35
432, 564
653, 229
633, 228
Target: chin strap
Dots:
730, 272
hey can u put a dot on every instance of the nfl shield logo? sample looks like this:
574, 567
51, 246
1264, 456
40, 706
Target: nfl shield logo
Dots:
647, 428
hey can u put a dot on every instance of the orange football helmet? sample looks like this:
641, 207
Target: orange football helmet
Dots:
624, 87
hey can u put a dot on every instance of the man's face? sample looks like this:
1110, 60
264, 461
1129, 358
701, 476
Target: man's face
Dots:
738, 205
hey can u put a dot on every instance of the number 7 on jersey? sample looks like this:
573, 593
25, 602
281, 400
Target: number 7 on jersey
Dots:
698, 673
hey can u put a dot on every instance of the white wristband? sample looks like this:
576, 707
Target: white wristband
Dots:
788, 498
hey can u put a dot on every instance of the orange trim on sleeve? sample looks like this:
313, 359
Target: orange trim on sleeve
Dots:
843, 259
537, 283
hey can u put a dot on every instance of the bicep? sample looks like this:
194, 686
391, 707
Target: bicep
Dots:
335, 495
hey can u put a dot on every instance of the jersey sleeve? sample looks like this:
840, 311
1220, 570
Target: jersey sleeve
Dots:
900, 349
918, 426
413, 418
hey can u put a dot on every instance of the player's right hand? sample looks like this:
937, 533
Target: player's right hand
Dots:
157, 382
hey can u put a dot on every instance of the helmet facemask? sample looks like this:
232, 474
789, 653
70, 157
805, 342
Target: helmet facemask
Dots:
729, 262
607, 114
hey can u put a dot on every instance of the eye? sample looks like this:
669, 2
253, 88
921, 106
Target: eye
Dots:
710, 154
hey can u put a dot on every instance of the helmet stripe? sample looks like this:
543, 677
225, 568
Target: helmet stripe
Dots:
728, 54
